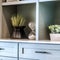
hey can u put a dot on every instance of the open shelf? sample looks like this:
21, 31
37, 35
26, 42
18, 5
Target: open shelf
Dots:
26, 10
49, 14
42, 12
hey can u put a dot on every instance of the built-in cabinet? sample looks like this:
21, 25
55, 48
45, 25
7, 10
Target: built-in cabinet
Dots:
43, 13
29, 51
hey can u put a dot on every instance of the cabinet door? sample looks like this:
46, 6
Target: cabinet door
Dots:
52, 57
8, 49
6, 58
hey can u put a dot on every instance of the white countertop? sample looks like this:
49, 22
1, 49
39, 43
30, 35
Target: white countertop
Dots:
29, 41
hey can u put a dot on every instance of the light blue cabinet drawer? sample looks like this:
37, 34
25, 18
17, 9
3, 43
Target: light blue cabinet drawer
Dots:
7, 58
41, 46
27, 59
39, 51
49, 58
8, 49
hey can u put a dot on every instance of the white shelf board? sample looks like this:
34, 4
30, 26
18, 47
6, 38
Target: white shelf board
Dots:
30, 41
47, 0
17, 3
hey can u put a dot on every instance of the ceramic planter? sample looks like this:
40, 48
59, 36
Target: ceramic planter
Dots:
55, 37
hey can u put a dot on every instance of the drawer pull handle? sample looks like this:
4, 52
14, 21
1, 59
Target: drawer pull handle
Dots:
42, 52
1, 48
22, 50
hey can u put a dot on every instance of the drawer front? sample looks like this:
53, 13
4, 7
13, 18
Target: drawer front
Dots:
43, 58
49, 58
6, 58
41, 46
31, 51
8, 49
37, 53
27, 59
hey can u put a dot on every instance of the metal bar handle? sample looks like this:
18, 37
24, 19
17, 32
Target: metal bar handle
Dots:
22, 50
1, 48
42, 52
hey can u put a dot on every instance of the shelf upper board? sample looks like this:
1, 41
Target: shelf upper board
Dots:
30, 41
47, 0
17, 3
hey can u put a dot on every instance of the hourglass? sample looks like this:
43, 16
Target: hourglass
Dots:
32, 33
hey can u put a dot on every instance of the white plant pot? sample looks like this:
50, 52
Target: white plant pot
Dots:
55, 37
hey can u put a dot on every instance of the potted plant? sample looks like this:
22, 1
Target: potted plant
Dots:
55, 32
18, 23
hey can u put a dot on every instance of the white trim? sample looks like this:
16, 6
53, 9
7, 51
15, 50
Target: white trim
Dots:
37, 19
29, 41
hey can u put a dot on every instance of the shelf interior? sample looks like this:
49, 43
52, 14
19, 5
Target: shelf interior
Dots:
27, 11
49, 14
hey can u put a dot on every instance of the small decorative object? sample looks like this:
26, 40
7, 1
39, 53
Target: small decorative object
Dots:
55, 32
18, 26
32, 33
16, 32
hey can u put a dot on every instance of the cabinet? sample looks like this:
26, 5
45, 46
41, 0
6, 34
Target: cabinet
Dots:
29, 51
43, 13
